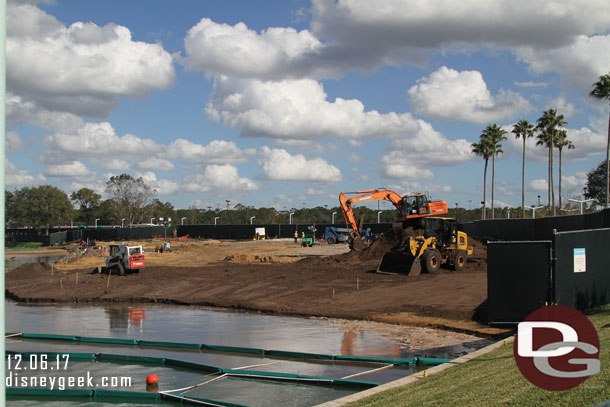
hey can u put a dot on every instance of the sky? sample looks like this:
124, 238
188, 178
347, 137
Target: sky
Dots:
287, 103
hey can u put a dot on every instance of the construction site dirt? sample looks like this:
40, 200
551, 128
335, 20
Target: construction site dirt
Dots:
271, 276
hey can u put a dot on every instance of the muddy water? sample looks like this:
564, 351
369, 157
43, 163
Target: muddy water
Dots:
201, 325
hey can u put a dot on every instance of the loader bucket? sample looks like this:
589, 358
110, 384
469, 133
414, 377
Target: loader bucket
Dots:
358, 244
402, 262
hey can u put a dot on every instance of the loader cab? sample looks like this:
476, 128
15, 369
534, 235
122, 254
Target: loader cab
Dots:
114, 249
444, 229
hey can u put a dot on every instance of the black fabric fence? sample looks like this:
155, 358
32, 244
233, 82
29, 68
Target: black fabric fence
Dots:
582, 268
571, 269
518, 279
534, 229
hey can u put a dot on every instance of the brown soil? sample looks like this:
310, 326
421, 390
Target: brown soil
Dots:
275, 277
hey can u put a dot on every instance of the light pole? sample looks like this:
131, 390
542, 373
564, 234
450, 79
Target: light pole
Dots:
122, 221
333, 218
227, 201
216, 218
378, 213
290, 221
581, 202
470, 204
252, 217
456, 211
96, 222
534, 208
538, 200
182, 220
151, 219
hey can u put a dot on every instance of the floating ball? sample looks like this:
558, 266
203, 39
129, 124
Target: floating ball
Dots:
152, 379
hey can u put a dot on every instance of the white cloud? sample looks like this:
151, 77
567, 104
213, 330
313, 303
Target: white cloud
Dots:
580, 62
157, 164
80, 69
538, 185
298, 109
278, 164
218, 177
74, 169
443, 23
13, 142
14, 177
531, 84
313, 191
216, 152
572, 185
412, 187
414, 154
19, 110
563, 107
98, 140
238, 51
354, 158
449, 94
161, 186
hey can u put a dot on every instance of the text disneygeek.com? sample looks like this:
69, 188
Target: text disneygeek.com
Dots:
28, 372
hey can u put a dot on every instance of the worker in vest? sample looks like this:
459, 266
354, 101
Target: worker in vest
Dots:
296, 236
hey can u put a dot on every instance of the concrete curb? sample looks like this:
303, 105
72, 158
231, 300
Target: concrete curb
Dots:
416, 376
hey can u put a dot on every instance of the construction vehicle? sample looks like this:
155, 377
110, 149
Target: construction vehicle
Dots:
309, 238
441, 244
334, 235
411, 209
125, 259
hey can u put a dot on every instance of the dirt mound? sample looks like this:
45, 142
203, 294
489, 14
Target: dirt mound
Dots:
29, 271
249, 258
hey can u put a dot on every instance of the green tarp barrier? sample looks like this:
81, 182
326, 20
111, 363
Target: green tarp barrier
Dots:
237, 349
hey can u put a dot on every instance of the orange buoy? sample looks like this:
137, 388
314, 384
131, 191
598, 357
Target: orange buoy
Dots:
152, 379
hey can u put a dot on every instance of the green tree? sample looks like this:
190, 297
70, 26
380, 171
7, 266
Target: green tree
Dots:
483, 149
495, 135
158, 210
88, 201
561, 142
130, 197
601, 90
596, 183
548, 125
44, 205
523, 129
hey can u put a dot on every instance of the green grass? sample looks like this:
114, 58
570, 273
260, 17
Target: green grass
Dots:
494, 380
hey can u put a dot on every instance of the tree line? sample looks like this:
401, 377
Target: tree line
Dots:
550, 134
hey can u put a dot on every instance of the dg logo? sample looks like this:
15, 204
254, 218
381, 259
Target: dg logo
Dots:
557, 348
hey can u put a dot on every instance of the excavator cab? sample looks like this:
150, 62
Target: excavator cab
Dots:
414, 205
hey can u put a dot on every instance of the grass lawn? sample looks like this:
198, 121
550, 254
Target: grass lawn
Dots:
494, 380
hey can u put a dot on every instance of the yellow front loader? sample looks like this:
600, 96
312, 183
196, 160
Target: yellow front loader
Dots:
442, 244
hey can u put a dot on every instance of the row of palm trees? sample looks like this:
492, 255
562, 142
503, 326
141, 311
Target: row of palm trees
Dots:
550, 133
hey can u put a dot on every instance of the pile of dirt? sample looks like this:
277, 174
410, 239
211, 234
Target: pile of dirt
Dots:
249, 258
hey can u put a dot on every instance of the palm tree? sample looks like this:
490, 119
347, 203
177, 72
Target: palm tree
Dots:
549, 122
494, 135
483, 149
601, 90
561, 142
523, 129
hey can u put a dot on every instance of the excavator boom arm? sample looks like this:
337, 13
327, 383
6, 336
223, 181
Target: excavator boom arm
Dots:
365, 196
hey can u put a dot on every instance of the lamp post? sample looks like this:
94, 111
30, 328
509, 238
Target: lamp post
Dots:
533, 208
216, 218
333, 218
182, 220
581, 202
96, 222
378, 213
456, 212
151, 220
290, 221
122, 221
252, 217
227, 201
538, 200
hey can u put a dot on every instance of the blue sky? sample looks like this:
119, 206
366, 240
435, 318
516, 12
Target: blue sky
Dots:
285, 103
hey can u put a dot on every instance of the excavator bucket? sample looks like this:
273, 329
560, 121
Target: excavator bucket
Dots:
358, 244
400, 262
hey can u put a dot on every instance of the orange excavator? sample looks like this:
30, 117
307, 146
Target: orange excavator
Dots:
411, 209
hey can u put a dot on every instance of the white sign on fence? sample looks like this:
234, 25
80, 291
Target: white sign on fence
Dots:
580, 261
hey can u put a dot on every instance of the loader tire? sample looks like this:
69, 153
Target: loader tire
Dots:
459, 260
121, 269
432, 260
331, 240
